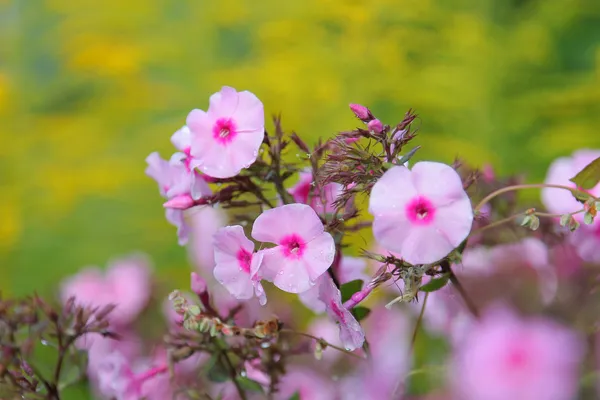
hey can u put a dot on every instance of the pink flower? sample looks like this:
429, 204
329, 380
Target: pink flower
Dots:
204, 223
506, 357
175, 182
237, 266
423, 213
182, 140
586, 240
304, 192
126, 283
561, 201
351, 333
226, 138
328, 330
361, 112
350, 269
375, 126
309, 384
304, 250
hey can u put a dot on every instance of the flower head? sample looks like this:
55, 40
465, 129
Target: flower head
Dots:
422, 213
304, 250
126, 284
351, 333
506, 357
226, 138
561, 201
237, 266
305, 192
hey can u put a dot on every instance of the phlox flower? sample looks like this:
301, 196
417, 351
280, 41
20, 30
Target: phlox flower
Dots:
182, 140
351, 333
237, 266
175, 181
308, 384
504, 356
421, 213
304, 250
561, 201
304, 192
350, 269
226, 138
586, 240
204, 223
126, 283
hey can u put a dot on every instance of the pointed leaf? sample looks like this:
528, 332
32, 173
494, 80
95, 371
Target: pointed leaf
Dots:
588, 177
348, 289
296, 396
249, 384
435, 283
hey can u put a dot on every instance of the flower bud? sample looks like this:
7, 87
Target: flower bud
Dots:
181, 202
362, 112
198, 284
375, 126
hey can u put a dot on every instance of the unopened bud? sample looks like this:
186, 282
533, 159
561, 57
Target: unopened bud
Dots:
198, 284
375, 126
362, 112
181, 202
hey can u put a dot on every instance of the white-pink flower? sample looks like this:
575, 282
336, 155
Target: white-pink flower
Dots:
126, 283
421, 213
304, 250
351, 333
182, 140
226, 138
237, 265
504, 356
561, 201
305, 192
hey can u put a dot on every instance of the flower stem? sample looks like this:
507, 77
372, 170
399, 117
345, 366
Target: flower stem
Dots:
308, 335
418, 323
459, 287
529, 186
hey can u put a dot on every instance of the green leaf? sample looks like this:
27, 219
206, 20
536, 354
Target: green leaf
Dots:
348, 289
360, 313
435, 284
249, 384
588, 177
296, 396
216, 370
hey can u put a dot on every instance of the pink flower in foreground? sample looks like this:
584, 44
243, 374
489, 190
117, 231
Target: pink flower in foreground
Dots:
351, 333
506, 357
226, 138
422, 213
182, 140
304, 192
175, 182
304, 250
126, 283
237, 266
561, 201
350, 269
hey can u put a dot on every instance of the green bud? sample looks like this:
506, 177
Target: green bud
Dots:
588, 218
194, 310
564, 219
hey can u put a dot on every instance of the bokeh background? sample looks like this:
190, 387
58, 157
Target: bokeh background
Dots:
88, 89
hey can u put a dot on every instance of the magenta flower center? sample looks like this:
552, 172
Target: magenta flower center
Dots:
224, 130
517, 357
337, 311
420, 211
244, 258
293, 246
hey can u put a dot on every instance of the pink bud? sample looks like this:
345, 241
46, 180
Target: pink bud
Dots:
487, 173
198, 284
361, 112
375, 125
351, 140
181, 202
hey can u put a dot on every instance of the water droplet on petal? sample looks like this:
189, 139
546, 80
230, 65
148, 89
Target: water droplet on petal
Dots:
281, 272
265, 345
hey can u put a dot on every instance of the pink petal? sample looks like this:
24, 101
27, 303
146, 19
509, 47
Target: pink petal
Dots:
199, 123
182, 139
158, 169
319, 255
249, 115
274, 224
176, 217
391, 192
439, 182
223, 103
425, 245
311, 300
293, 276
131, 285
229, 240
391, 231
205, 221
237, 282
199, 187
560, 201
454, 221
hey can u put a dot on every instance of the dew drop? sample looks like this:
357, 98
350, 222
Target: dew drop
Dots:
265, 345
281, 272
243, 374
44, 342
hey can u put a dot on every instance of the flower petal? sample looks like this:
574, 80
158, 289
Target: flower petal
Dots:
229, 240
274, 224
425, 245
250, 114
439, 182
238, 283
319, 255
199, 123
454, 221
392, 191
223, 103
391, 231
182, 138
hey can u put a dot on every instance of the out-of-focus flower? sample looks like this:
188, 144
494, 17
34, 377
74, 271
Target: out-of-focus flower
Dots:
175, 182
304, 192
182, 140
422, 213
328, 330
586, 240
351, 333
561, 201
204, 223
226, 138
350, 269
504, 357
237, 266
126, 284
308, 384
304, 250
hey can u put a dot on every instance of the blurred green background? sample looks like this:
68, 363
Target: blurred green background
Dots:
88, 89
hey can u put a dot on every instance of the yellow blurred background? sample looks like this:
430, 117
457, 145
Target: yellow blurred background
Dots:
88, 89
